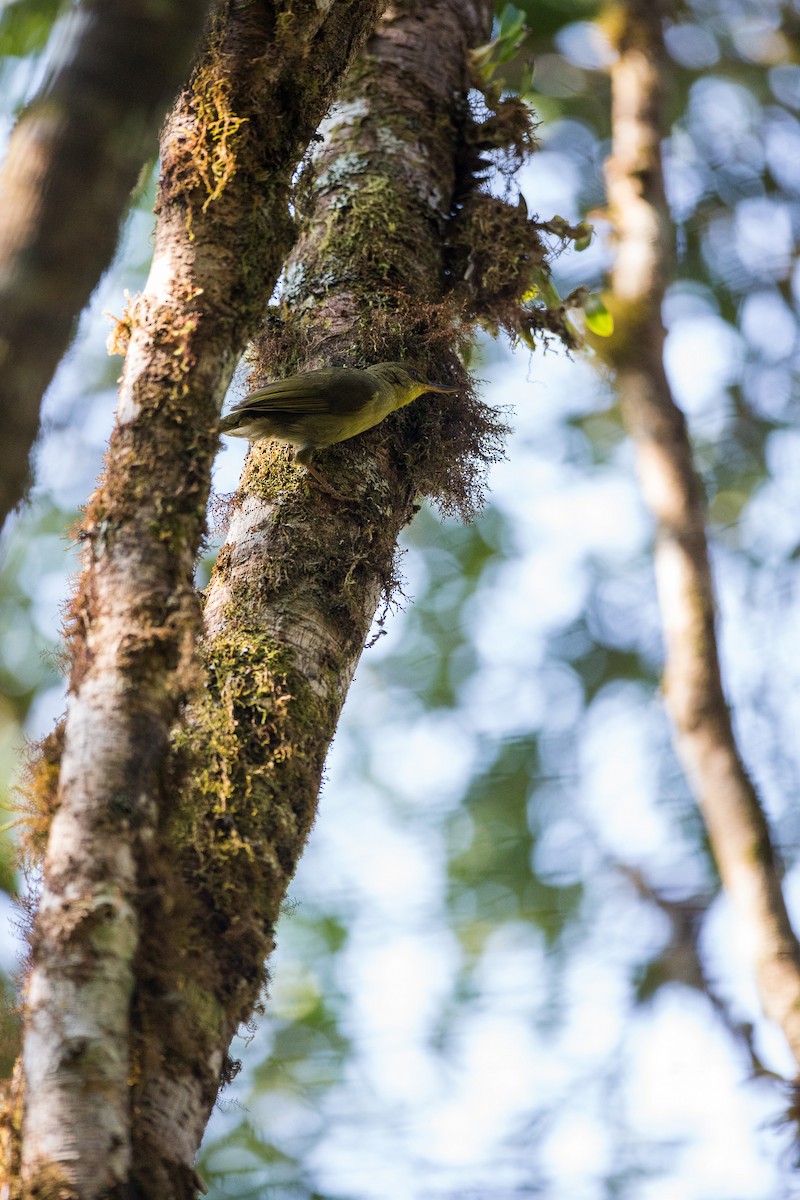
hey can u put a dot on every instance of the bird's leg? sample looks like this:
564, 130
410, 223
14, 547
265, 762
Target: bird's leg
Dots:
328, 487
303, 456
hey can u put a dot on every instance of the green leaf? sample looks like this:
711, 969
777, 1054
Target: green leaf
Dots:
598, 318
506, 49
584, 234
25, 26
512, 21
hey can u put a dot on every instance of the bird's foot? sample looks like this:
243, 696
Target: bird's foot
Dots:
328, 487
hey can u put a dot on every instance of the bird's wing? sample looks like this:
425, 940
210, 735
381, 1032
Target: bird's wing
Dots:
341, 391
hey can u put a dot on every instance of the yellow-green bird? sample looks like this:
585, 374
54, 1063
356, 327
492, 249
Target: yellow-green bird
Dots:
317, 408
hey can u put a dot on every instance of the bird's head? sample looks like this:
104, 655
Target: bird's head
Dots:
405, 382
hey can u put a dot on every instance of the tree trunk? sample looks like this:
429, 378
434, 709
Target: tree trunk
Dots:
72, 162
297, 583
737, 827
230, 147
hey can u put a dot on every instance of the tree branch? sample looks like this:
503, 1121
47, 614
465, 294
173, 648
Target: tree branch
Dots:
737, 827
263, 82
72, 162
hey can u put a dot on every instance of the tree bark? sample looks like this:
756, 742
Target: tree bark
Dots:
298, 580
737, 827
263, 82
72, 161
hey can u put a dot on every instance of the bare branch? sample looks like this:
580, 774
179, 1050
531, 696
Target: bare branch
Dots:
737, 826
72, 161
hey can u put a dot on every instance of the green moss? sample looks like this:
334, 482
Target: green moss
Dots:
253, 760
368, 236
243, 781
271, 473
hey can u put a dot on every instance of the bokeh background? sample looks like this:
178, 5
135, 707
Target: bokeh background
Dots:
505, 968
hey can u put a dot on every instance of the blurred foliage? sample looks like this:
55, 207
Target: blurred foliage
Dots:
25, 26
506, 969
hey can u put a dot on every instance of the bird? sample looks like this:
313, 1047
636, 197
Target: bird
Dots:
314, 409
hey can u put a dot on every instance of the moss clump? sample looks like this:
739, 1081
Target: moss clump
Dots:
38, 796
499, 139
271, 474
497, 256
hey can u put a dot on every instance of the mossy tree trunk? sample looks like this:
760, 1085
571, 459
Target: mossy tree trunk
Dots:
299, 579
166, 864
261, 86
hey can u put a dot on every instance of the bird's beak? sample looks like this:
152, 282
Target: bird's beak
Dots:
436, 387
